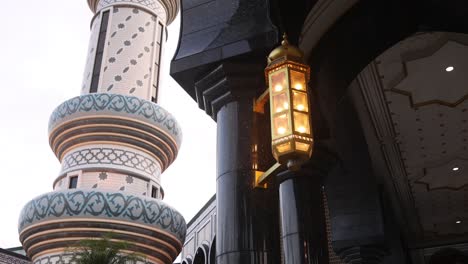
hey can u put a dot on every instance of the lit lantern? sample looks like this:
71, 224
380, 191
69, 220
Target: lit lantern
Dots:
291, 131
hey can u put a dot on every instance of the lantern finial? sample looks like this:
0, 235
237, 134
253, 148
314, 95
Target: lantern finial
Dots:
286, 51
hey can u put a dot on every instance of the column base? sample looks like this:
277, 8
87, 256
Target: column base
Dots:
362, 254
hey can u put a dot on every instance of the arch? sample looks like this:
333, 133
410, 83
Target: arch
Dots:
355, 39
187, 260
212, 252
201, 255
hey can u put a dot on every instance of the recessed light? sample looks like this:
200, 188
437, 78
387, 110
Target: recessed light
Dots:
458, 222
449, 69
455, 168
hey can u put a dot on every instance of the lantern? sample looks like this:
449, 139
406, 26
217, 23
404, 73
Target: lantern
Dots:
291, 130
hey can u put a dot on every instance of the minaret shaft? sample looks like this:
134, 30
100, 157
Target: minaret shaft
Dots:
113, 142
125, 50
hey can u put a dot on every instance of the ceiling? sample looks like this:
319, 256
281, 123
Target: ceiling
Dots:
416, 94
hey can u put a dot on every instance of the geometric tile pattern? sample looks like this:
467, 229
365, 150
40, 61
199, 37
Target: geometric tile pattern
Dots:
101, 204
110, 156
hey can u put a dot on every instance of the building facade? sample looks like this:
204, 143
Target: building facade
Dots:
113, 142
388, 106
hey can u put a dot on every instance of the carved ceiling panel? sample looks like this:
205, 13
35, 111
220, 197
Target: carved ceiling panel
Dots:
425, 85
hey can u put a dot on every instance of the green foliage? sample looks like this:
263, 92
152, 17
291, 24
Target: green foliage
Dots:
103, 251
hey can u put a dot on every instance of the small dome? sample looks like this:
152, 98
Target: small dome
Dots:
285, 50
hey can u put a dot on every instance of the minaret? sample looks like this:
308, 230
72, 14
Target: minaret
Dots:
113, 142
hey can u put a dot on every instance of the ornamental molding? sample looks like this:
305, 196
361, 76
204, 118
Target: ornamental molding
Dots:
368, 85
96, 104
319, 20
81, 203
168, 9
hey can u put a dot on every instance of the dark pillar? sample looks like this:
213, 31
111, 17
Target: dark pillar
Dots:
245, 216
304, 235
354, 200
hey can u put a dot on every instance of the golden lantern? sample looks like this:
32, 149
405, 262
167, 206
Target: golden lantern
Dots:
291, 131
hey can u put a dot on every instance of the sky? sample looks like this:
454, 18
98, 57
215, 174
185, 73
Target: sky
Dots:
43, 48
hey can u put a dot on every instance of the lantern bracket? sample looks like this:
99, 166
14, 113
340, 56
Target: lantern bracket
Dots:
259, 103
262, 177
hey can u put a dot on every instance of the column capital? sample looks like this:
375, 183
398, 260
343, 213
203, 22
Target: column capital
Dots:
318, 166
228, 82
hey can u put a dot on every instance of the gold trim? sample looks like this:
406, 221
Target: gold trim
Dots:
62, 133
98, 229
58, 125
51, 241
47, 252
64, 249
262, 177
259, 103
101, 220
57, 148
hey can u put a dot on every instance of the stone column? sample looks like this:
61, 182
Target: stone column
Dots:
245, 215
304, 236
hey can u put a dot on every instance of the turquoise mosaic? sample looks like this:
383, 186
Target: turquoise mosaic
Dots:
81, 203
118, 105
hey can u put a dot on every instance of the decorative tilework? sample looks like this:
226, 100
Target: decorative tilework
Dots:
80, 203
129, 53
110, 156
118, 104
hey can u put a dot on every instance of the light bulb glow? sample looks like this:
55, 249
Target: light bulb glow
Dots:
281, 130
300, 107
301, 129
449, 69
458, 222
298, 86
455, 168
278, 87
286, 106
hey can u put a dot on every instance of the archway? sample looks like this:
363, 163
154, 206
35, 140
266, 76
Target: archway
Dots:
201, 256
212, 252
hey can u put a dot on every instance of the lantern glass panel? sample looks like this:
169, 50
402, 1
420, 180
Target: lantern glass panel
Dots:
302, 146
280, 102
285, 147
278, 81
300, 101
298, 81
301, 123
281, 126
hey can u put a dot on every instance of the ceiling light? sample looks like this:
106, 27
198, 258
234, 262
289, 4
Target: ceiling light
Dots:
449, 69
455, 168
458, 222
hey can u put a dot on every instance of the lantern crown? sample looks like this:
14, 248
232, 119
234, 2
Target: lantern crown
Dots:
286, 51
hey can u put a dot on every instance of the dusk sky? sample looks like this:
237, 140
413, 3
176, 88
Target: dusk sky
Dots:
43, 51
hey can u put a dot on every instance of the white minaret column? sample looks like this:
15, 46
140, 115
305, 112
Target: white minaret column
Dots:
124, 54
113, 142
